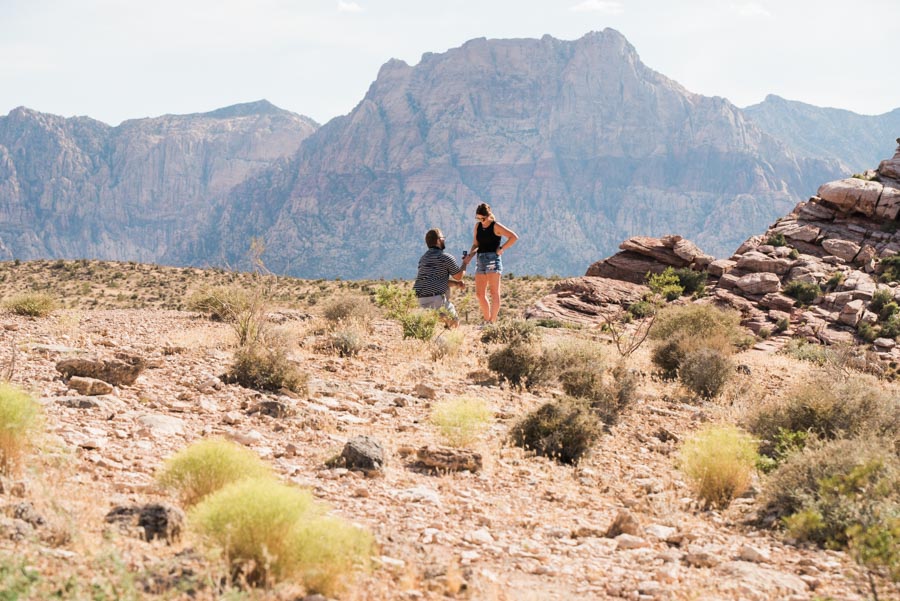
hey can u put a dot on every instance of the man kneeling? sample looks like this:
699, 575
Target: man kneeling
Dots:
438, 270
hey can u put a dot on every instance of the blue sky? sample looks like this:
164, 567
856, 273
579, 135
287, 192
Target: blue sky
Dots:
119, 59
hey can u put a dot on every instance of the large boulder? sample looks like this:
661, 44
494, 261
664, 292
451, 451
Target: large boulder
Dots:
121, 371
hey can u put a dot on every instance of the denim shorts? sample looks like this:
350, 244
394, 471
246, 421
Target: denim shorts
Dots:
488, 263
438, 302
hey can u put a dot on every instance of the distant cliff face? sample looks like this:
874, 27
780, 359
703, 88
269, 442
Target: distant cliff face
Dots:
857, 141
141, 191
576, 145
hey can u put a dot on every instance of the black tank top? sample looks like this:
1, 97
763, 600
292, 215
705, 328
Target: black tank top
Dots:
488, 241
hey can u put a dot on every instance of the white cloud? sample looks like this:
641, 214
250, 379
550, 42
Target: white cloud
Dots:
608, 7
753, 9
349, 7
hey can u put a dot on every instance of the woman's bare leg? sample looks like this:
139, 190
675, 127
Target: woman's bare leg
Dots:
481, 283
493, 282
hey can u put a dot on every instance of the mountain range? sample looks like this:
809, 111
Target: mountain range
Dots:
577, 145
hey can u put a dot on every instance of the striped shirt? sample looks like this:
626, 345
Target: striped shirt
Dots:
435, 268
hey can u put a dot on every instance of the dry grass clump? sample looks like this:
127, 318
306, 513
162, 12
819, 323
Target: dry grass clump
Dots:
346, 339
461, 421
33, 304
268, 532
719, 462
827, 406
265, 365
447, 344
206, 466
564, 430
220, 303
706, 370
20, 420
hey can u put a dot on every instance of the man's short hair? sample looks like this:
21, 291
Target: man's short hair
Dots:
432, 236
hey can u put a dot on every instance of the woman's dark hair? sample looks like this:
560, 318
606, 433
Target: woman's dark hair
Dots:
484, 209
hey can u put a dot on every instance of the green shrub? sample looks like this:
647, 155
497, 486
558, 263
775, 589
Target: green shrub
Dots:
513, 331
208, 465
828, 407
888, 311
396, 301
718, 461
665, 284
866, 331
34, 304
805, 292
563, 429
266, 367
785, 443
782, 325
520, 365
419, 324
693, 282
705, 371
461, 421
880, 298
890, 269
20, 422
835, 280
776, 240
642, 309
890, 328
825, 491
326, 551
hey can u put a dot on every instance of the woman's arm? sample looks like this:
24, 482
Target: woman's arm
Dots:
511, 236
474, 242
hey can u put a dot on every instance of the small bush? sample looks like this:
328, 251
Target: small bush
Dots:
396, 301
665, 284
826, 490
890, 269
719, 462
448, 344
461, 421
220, 303
805, 351
828, 407
782, 325
693, 282
890, 328
697, 321
867, 331
208, 465
348, 308
266, 367
326, 551
514, 331
35, 304
419, 324
642, 309
776, 240
888, 311
880, 298
520, 365
835, 280
20, 421
705, 371
347, 341
563, 430
805, 292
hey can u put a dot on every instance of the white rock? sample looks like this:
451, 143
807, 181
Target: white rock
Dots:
629, 541
751, 553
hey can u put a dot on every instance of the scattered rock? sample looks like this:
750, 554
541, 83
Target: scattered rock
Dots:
121, 371
445, 459
152, 521
89, 386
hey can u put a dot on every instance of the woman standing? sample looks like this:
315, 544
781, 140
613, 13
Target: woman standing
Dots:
489, 267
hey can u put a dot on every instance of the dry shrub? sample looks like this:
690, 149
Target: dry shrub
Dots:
697, 321
347, 339
20, 421
269, 532
825, 490
564, 429
348, 307
461, 421
705, 371
208, 465
448, 344
513, 331
33, 304
522, 365
220, 303
265, 365
719, 462
828, 407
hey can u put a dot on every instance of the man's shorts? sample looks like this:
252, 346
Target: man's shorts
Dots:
488, 263
438, 302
